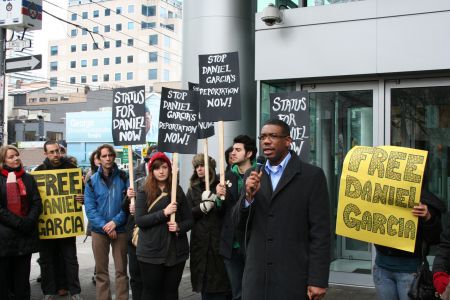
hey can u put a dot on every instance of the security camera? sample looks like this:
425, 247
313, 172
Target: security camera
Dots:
271, 15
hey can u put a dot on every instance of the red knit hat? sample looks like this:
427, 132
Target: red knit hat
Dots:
160, 156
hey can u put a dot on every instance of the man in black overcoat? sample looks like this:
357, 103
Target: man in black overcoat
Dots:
285, 214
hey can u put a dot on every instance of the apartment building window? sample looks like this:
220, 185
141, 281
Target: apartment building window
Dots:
129, 59
43, 99
153, 74
83, 63
106, 61
119, 10
118, 27
107, 28
85, 15
163, 12
73, 33
105, 77
94, 78
118, 43
167, 41
53, 81
129, 75
53, 99
107, 12
148, 25
73, 64
83, 47
106, 45
130, 9
130, 25
149, 10
73, 48
170, 27
54, 66
170, 14
94, 62
117, 77
118, 60
153, 39
166, 75
130, 42
153, 57
72, 80
53, 50
83, 31
96, 13
95, 46
63, 98
73, 17
95, 29
83, 79
166, 57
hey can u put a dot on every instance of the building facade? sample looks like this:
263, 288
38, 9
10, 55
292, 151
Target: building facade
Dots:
377, 73
118, 43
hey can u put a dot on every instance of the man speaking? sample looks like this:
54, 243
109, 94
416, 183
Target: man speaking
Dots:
285, 215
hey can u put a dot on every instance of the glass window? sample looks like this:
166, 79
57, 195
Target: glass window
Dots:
118, 10
73, 48
166, 57
73, 17
53, 81
83, 31
84, 14
170, 27
130, 25
54, 66
72, 80
130, 9
152, 56
94, 46
118, 60
149, 10
130, 42
107, 44
73, 64
107, 28
105, 77
166, 75
96, 13
118, 27
94, 78
83, 63
129, 58
153, 39
95, 29
118, 43
106, 61
53, 50
152, 74
129, 75
148, 25
117, 77
94, 62
107, 12
83, 79
163, 12
166, 41
83, 47
170, 14
73, 32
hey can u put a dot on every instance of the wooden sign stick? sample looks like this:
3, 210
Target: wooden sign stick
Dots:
130, 172
173, 197
206, 160
221, 156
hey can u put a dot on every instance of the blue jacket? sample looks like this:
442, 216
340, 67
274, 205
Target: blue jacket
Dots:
103, 203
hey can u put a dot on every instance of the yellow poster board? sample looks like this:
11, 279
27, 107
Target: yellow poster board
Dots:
379, 187
62, 215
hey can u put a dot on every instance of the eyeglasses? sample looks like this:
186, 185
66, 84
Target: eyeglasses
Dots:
271, 137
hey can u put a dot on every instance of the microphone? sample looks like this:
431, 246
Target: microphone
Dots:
260, 163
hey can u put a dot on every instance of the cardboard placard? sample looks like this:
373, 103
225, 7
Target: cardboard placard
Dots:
205, 129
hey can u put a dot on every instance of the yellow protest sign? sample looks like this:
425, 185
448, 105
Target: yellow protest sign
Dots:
62, 215
379, 187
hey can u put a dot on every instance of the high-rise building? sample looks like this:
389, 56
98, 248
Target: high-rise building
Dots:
118, 43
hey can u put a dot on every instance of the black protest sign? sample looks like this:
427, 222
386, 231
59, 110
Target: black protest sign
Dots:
220, 98
178, 121
62, 215
205, 129
293, 109
128, 116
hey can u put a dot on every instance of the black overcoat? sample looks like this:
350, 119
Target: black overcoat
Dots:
288, 234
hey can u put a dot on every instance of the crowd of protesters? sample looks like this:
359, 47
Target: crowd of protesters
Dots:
263, 234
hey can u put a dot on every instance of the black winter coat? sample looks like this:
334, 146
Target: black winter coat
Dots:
154, 236
289, 229
208, 273
19, 235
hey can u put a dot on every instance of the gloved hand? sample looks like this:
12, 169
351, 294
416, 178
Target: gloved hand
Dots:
440, 281
207, 203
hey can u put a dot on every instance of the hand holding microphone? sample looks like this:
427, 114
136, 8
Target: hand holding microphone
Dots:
253, 182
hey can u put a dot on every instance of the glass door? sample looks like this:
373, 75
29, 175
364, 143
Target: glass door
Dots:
341, 117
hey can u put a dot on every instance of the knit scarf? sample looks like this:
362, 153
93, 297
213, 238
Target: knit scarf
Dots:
15, 191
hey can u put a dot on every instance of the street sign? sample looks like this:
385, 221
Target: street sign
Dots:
26, 63
18, 45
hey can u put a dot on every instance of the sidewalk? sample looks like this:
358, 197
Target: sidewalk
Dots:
86, 262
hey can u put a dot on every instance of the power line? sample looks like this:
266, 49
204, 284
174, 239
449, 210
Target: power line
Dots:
110, 38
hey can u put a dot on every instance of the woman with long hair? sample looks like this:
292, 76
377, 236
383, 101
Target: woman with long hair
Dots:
20, 207
162, 246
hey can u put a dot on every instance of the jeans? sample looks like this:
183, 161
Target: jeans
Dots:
15, 277
135, 273
235, 269
391, 285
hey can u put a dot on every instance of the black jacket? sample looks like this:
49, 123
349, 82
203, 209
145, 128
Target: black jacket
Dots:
290, 236
46, 165
442, 258
154, 235
208, 273
19, 235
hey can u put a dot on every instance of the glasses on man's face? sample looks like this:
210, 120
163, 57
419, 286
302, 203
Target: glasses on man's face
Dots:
270, 137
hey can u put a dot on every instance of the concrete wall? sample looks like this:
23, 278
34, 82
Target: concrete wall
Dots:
355, 38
